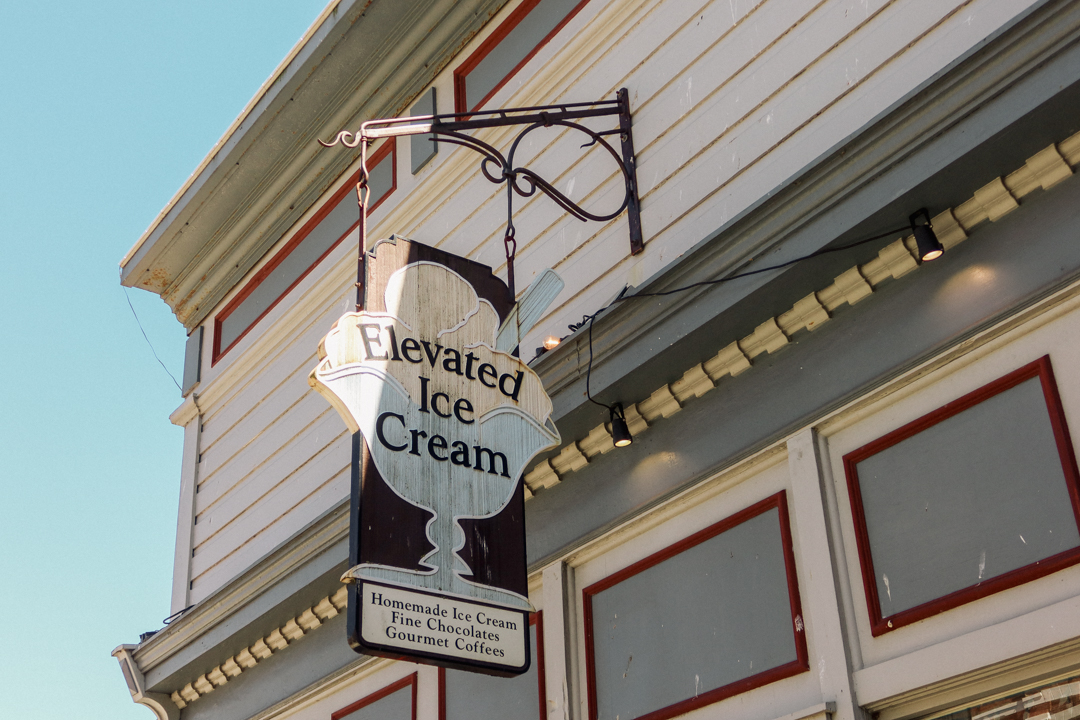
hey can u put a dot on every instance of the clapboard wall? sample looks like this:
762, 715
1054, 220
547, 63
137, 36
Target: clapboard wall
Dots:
731, 100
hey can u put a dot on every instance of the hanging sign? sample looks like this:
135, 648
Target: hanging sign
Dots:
444, 425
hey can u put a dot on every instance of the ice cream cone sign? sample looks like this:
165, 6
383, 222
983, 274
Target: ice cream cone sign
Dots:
450, 421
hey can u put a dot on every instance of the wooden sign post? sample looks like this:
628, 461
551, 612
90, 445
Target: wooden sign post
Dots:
444, 425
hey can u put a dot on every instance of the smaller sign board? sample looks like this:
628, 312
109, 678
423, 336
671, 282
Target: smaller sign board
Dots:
443, 628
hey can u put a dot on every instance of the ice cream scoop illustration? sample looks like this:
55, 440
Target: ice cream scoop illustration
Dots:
450, 421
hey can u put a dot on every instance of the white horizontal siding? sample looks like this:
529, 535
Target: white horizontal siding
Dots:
730, 100
269, 536
275, 455
279, 454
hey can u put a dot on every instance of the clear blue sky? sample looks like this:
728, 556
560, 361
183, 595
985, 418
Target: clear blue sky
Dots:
105, 109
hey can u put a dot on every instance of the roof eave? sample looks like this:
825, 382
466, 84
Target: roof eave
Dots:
360, 59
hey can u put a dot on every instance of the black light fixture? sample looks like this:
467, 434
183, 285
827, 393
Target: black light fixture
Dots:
929, 246
620, 433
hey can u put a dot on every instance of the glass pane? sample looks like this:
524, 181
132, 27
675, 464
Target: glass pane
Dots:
712, 615
380, 180
970, 498
471, 696
423, 147
517, 44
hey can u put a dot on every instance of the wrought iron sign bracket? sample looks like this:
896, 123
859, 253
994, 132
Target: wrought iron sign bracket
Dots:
500, 168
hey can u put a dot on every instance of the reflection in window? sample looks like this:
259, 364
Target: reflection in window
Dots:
712, 616
973, 498
337, 220
1056, 701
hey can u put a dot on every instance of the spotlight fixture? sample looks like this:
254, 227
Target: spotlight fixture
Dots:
551, 342
620, 433
925, 239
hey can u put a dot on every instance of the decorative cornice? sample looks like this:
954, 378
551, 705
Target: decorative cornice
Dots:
991, 202
264, 647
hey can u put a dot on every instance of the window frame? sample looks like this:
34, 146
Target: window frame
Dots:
879, 624
379, 695
537, 619
799, 665
519, 13
389, 148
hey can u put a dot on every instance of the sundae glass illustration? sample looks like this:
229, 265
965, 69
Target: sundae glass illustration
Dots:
450, 421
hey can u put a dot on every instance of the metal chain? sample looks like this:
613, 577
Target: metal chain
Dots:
509, 240
363, 195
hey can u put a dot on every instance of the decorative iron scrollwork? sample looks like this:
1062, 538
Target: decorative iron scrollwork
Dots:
499, 168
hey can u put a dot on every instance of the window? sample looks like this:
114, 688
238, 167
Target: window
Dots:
513, 43
472, 696
394, 702
712, 616
975, 497
338, 219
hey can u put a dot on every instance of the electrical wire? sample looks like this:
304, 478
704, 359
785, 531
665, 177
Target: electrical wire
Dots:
147, 339
588, 371
176, 614
622, 297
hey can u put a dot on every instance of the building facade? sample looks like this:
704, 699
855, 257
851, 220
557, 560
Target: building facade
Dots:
853, 488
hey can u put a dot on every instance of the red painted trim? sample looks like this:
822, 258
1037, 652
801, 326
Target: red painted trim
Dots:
536, 619
1066, 449
590, 653
799, 665
387, 149
878, 624
461, 73
442, 693
379, 695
